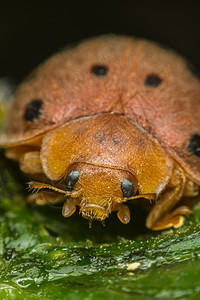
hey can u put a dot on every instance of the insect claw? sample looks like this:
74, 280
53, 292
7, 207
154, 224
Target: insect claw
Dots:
90, 223
103, 223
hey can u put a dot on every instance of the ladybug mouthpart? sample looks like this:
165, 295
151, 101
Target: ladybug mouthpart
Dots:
94, 211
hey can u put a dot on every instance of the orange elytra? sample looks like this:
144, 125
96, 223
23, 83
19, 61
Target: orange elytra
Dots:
111, 120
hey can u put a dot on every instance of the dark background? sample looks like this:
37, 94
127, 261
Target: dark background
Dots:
31, 32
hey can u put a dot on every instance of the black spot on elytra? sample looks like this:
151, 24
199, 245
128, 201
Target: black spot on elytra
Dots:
152, 80
101, 138
116, 141
33, 110
194, 70
194, 145
99, 70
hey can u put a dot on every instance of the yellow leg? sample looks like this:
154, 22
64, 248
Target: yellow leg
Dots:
42, 198
191, 189
162, 215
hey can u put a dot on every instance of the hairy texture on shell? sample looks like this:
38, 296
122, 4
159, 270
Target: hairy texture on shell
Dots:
169, 110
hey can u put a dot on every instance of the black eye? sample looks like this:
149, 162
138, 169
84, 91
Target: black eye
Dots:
71, 179
194, 145
127, 187
33, 110
152, 80
99, 70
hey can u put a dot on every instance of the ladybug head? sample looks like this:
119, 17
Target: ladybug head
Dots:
97, 191
101, 190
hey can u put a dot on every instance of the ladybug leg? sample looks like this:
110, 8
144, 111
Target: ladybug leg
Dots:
30, 163
191, 189
162, 215
42, 198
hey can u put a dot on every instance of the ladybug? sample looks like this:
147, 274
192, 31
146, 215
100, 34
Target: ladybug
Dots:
112, 120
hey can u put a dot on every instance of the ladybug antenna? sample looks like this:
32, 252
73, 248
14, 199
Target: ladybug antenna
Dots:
36, 186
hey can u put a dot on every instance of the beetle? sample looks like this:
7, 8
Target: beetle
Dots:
111, 120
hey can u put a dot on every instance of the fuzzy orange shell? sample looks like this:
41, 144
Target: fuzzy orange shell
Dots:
143, 81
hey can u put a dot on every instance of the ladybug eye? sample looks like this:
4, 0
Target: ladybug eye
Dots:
152, 80
71, 179
99, 70
127, 187
33, 110
194, 145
